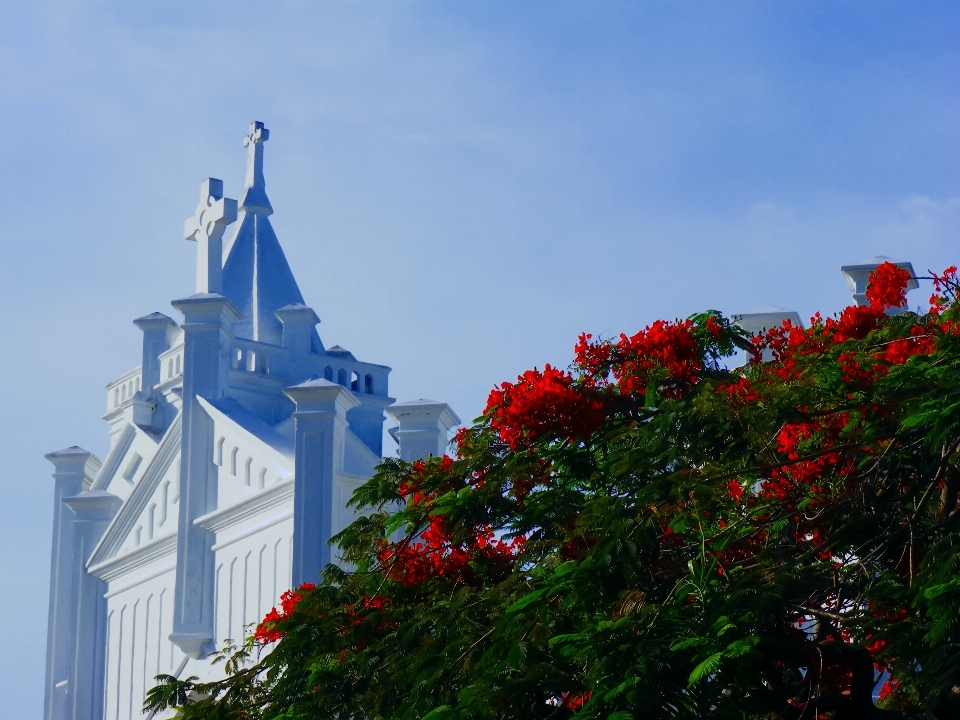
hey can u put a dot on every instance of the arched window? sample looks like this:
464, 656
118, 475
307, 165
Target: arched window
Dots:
368, 384
165, 499
328, 373
355, 382
342, 377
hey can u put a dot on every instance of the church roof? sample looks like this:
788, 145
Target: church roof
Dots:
256, 275
341, 352
154, 317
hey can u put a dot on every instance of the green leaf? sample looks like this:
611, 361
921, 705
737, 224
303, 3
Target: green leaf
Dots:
706, 668
527, 600
438, 713
516, 655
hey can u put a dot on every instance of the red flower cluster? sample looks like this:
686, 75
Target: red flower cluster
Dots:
667, 345
943, 286
886, 289
575, 701
593, 360
542, 404
816, 437
436, 554
736, 491
741, 392
667, 351
887, 286
268, 630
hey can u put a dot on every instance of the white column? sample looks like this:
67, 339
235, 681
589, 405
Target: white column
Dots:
93, 512
75, 468
423, 427
207, 339
321, 425
298, 323
158, 330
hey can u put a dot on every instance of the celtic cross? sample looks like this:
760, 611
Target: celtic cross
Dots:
206, 227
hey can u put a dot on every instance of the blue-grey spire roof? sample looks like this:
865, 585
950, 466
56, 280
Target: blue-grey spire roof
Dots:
256, 276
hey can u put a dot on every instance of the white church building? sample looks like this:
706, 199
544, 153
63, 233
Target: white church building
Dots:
234, 448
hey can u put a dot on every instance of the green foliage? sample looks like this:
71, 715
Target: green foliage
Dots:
710, 543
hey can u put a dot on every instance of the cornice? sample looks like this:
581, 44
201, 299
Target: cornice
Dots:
112, 568
220, 520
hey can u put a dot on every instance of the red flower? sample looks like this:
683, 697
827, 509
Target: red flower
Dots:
575, 701
887, 286
268, 631
542, 404
666, 345
736, 490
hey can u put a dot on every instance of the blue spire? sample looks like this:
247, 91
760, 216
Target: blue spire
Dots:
254, 198
256, 276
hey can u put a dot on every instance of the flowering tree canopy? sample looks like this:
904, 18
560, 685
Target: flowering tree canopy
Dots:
651, 534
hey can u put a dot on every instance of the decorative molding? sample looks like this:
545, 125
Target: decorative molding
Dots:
114, 567
275, 520
114, 457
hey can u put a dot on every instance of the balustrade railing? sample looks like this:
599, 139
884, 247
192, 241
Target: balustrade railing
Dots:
123, 388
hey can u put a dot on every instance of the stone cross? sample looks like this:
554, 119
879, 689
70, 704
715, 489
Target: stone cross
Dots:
255, 194
206, 227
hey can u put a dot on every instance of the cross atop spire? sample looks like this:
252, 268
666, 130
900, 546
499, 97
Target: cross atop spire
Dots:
254, 198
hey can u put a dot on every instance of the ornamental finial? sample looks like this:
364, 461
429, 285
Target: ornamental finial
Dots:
254, 198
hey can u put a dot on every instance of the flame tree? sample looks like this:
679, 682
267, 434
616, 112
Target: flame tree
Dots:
652, 535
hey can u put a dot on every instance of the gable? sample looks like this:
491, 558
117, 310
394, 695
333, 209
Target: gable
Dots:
159, 481
126, 462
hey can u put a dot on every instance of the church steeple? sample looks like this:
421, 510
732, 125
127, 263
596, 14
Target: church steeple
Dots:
256, 276
254, 198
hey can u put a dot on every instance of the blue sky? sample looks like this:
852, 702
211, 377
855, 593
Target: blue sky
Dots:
461, 188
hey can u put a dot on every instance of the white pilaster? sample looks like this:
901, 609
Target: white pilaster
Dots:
93, 511
207, 338
321, 425
75, 469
